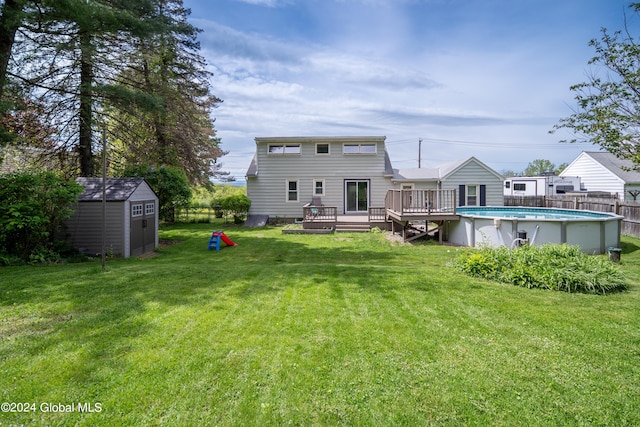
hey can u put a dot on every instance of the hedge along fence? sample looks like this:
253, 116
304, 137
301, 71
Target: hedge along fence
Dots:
234, 206
197, 214
629, 210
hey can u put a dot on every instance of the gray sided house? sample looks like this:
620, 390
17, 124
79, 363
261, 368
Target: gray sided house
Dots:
132, 217
601, 171
476, 183
351, 173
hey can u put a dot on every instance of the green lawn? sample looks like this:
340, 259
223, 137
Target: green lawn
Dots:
345, 329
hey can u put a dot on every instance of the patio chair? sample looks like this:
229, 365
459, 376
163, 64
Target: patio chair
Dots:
316, 202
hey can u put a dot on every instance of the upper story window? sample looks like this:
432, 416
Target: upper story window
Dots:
359, 149
322, 148
284, 149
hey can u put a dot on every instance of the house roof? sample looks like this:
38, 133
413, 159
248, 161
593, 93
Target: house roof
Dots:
438, 173
117, 189
417, 174
307, 139
622, 168
253, 167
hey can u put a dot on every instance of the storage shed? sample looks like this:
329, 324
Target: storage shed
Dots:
132, 217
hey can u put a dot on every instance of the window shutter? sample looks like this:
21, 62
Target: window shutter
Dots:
461, 195
483, 195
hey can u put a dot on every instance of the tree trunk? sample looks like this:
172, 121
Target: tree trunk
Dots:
10, 21
85, 152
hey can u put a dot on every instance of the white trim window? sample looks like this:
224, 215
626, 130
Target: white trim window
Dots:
136, 210
280, 149
472, 196
318, 187
149, 208
292, 190
359, 149
322, 149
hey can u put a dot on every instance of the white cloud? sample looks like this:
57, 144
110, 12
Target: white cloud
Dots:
374, 74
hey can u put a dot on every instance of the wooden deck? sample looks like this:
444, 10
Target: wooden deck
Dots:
421, 205
414, 213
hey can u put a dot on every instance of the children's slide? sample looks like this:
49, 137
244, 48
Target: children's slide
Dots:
227, 240
216, 236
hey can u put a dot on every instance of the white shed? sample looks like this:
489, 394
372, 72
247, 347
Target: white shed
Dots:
132, 217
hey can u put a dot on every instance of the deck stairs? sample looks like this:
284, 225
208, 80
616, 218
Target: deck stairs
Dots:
353, 224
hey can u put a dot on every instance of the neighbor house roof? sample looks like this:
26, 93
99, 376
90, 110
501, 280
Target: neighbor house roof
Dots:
117, 189
622, 168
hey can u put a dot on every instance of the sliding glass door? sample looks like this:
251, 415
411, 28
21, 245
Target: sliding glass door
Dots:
356, 196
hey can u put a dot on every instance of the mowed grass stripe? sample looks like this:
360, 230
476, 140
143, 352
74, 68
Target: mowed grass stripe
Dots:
313, 330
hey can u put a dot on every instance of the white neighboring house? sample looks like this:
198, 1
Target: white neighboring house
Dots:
601, 171
477, 184
352, 174
541, 185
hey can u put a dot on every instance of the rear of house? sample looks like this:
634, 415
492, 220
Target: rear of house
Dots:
350, 173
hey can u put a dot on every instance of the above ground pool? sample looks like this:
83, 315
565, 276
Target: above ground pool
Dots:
495, 226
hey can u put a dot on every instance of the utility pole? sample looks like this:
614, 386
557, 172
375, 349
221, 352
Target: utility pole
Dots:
104, 198
419, 152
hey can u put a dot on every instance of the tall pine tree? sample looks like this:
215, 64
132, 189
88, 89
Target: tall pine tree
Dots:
170, 67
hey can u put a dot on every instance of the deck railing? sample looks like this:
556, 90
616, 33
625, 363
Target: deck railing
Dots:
377, 214
424, 202
319, 216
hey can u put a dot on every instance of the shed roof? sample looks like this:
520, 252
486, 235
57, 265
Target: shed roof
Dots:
117, 189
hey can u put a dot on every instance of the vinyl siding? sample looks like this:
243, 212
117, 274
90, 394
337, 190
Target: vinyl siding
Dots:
143, 192
474, 174
268, 190
594, 176
84, 228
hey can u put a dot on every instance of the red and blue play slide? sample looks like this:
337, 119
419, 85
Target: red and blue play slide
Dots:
216, 236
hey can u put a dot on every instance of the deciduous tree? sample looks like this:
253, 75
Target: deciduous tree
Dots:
608, 103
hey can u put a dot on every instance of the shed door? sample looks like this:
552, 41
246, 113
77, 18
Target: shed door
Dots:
143, 226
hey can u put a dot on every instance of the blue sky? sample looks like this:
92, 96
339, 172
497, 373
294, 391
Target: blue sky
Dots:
487, 78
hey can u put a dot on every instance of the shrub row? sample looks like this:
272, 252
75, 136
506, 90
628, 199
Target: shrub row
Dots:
33, 208
556, 267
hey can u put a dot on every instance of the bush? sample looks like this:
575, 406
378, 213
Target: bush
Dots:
557, 267
237, 205
33, 208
